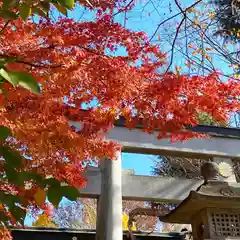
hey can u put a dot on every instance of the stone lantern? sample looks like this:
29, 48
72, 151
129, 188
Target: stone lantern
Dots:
213, 210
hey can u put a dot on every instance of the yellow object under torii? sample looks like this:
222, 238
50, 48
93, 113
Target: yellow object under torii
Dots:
125, 218
45, 221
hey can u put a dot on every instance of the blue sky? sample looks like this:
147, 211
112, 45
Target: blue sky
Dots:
142, 164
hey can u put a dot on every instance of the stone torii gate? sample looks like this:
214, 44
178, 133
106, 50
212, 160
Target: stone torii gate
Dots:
110, 186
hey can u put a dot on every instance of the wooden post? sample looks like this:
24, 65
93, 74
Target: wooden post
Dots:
109, 219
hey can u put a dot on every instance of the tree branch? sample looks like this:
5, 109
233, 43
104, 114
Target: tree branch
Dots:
175, 15
5, 26
28, 63
173, 44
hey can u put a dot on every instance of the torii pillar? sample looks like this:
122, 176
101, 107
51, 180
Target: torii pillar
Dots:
109, 212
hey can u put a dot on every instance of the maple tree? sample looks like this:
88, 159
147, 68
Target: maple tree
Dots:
75, 64
29, 185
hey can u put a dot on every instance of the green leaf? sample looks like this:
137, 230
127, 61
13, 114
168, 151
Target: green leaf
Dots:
5, 4
2, 80
61, 8
14, 177
18, 213
7, 75
8, 15
11, 174
23, 79
9, 4
39, 11
45, 6
4, 133
19, 178
67, 3
7, 59
2, 62
39, 180
4, 219
29, 83
12, 158
71, 193
56, 193
52, 182
2, 90
54, 196
25, 11
10, 200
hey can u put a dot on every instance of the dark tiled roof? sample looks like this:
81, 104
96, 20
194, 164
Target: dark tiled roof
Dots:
211, 130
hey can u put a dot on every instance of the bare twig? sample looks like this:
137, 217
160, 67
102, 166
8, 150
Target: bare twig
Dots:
124, 9
5, 26
30, 64
173, 44
173, 16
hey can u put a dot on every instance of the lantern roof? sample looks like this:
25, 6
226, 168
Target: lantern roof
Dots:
212, 194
